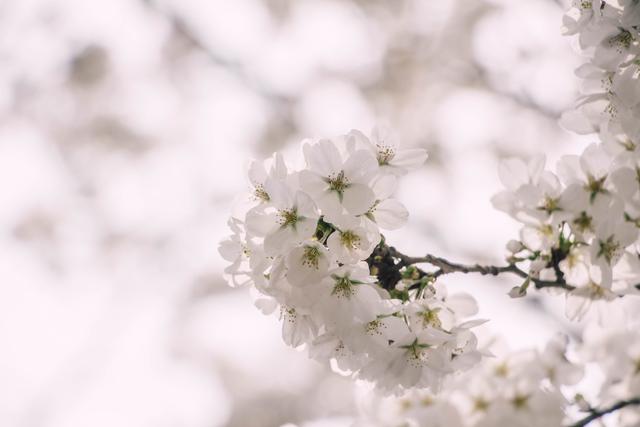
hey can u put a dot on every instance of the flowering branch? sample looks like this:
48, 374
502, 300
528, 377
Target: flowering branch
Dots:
310, 241
598, 413
382, 254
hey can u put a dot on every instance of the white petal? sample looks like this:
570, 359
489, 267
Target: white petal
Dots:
312, 183
384, 186
305, 206
463, 304
390, 214
360, 165
575, 121
323, 157
513, 173
230, 250
259, 223
279, 241
257, 174
357, 199
410, 158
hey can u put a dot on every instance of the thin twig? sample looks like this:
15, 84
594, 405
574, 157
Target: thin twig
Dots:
446, 267
598, 413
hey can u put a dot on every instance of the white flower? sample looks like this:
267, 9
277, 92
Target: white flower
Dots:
626, 85
391, 158
337, 183
595, 289
307, 263
373, 337
414, 360
258, 176
351, 242
575, 266
462, 347
558, 369
612, 237
246, 257
581, 15
302, 248
297, 328
288, 219
588, 173
330, 347
440, 311
385, 212
347, 294
533, 194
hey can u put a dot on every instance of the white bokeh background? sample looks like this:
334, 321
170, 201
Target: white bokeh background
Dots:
125, 130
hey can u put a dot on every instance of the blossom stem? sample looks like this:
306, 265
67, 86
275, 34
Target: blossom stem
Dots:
598, 413
446, 267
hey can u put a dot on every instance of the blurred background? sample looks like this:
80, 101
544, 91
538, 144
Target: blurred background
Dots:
125, 130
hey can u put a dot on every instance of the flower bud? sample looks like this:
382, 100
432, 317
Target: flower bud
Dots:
518, 292
514, 246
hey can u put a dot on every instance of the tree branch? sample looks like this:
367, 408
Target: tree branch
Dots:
446, 267
598, 413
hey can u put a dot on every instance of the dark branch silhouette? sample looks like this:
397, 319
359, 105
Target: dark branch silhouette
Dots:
383, 258
598, 413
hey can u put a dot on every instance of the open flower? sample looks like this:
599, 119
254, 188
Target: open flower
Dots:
347, 295
413, 360
288, 219
612, 238
352, 242
246, 256
391, 158
307, 263
338, 182
594, 289
258, 176
385, 212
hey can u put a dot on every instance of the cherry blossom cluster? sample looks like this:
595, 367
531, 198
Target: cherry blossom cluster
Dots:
526, 389
580, 223
608, 35
521, 389
616, 354
306, 244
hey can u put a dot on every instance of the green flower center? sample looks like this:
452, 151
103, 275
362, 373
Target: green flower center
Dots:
385, 154
621, 41
338, 183
288, 217
343, 287
595, 186
350, 240
480, 404
520, 401
550, 205
609, 249
373, 327
430, 318
583, 222
260, 193
311, 257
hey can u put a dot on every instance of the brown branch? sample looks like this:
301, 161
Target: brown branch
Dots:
446, 267
598, 413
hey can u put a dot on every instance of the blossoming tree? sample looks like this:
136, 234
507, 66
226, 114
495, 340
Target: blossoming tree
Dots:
310, 243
